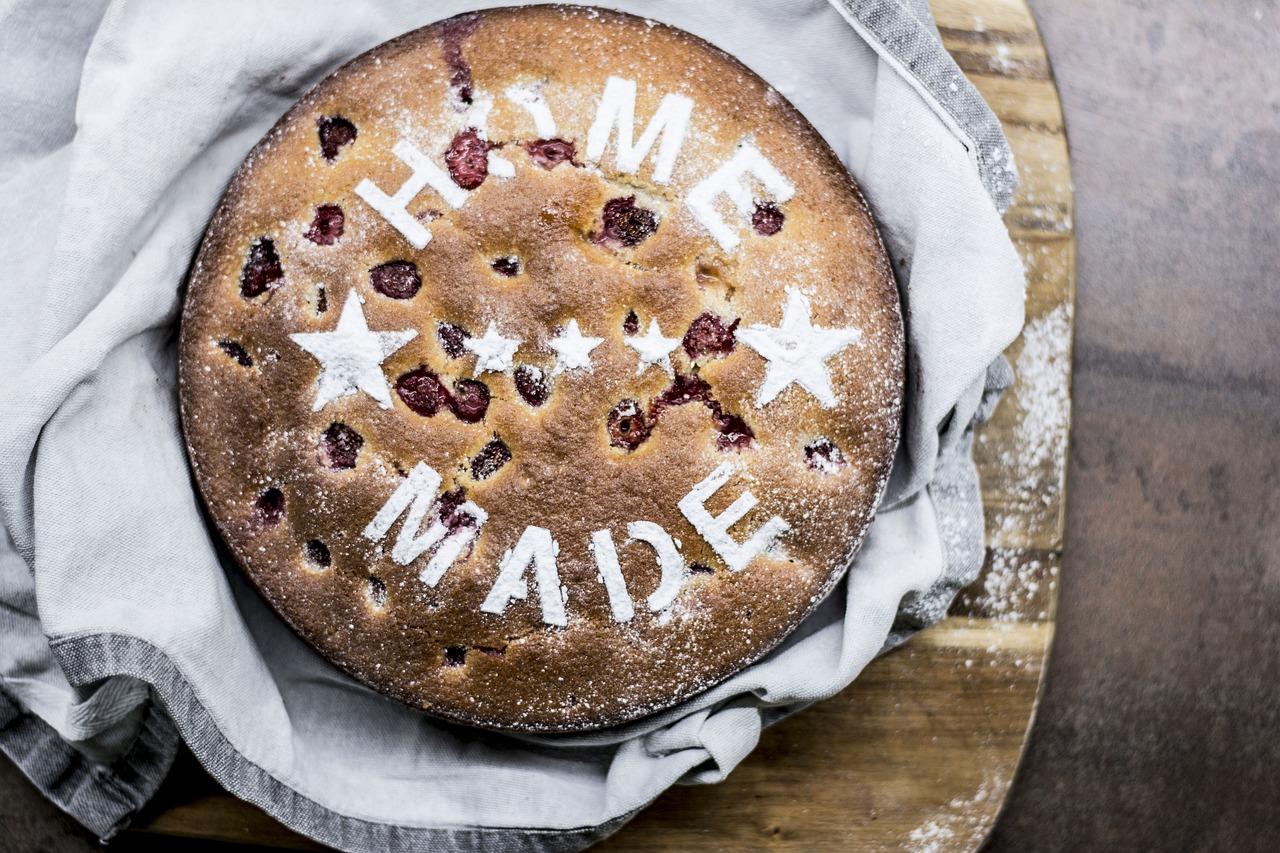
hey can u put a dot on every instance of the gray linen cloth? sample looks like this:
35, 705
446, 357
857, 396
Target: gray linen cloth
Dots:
123, 628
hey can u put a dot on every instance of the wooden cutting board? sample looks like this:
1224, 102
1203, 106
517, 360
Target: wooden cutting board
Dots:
919, 753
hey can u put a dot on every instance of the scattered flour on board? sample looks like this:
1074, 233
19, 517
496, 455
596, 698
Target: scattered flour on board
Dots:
958, 821
1043, 395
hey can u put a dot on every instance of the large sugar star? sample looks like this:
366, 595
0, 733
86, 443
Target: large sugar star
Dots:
493, 352
573, 351
653, 348
796, 350
351, 356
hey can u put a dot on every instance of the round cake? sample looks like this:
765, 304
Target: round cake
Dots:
542, 367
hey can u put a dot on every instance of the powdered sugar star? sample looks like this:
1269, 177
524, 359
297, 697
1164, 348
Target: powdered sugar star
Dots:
796, 350
493, 352
351, 356
573, 351
653, 348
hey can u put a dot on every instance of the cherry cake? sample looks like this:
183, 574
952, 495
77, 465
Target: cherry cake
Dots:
542, 368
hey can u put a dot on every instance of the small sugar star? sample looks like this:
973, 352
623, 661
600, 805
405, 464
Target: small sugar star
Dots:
351, 356
493, 352
653, 348
573, 351
796, 350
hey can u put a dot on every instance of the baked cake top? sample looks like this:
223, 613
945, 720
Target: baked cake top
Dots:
542, 367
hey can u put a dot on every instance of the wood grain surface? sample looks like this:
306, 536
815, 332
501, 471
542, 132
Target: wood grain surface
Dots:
920, 752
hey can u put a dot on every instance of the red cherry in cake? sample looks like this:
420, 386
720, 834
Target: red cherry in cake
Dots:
701, 569
734, 432
377, 592
451, 338
327, 225
455, 655
631, 324
236, 351
268, 509
454, 33
470, 400
340, 445
450, 516
317, 554
491, 457
684, 388
335, 132
262, 270
626, 224
628, 428
549, 153
532, 384
709, 336
467, 159
423, 392
508, 265
396, 279
823, 455
767, 218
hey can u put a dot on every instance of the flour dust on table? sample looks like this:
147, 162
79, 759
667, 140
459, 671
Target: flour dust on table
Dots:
542, 368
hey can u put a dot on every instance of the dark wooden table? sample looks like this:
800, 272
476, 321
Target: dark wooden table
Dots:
1159, 726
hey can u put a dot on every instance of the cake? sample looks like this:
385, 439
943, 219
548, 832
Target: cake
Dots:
542, 368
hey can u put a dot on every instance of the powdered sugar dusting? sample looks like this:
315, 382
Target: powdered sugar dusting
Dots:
424, 256
958, 826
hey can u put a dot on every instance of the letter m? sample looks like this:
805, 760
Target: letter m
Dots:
618, 109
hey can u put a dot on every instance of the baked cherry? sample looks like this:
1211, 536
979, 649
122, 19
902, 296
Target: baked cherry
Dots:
823, 455
335, 131
423, 392
708, 335
549, 153
236, 351
340, 445
631, 324
327, 225
491, 457
268, 509
317, 554
625, 223
377, 592
262, 270
455, 655
734, 432
450, 505
684, 388
451, 338
701, 569
454, 33
532, 384
627, 425
508, 265
396, 279
470, 400
322, 299
767, 218
467, 159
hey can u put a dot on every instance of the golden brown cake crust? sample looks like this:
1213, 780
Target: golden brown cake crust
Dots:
274, 472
